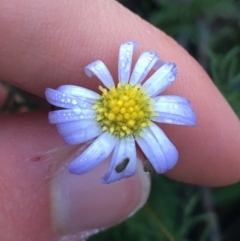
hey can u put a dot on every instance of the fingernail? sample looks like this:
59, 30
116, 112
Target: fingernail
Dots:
81, 204
80, 235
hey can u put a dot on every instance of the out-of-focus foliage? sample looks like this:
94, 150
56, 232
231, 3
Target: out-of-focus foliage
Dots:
210, 31
170, 215
18, 100
225, 72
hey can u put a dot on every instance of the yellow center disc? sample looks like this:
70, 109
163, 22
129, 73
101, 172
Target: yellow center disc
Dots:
124, 110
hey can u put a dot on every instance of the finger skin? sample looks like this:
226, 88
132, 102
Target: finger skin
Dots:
24, 188
31, 157
49, 48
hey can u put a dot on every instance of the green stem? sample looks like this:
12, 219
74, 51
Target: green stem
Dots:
159, 223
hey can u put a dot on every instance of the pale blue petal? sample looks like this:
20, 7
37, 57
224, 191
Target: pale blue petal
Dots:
158, 64
158, 149
161, 79
62, 116
64, 100
68, 128
132, 154
168, 149
125, 61
125, 148
99, 69
79, 92
98, 151
144, 64
174, 109
82, 135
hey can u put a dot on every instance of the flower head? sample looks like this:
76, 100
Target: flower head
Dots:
122, 115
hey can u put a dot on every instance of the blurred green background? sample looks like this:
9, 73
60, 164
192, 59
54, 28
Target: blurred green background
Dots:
210, 31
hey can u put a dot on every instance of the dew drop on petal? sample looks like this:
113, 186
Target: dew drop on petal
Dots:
169, 121
151, 137
132, 143
74, 102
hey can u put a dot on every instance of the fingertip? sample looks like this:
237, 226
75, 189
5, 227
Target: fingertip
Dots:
208, 152
40, 186
82, 203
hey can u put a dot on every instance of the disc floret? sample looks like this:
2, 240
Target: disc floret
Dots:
124, 110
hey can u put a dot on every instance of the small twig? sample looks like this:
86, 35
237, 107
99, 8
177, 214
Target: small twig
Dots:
159, 223
203, 43
215, 232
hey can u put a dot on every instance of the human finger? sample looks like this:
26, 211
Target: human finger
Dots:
56, 45
41, 200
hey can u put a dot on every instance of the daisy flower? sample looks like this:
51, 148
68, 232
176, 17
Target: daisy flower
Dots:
122, 116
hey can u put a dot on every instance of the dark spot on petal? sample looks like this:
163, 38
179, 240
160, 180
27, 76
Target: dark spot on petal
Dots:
121, 166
